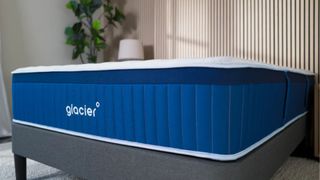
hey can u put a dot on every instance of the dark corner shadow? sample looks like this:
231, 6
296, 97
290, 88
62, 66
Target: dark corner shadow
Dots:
5, 139
56, 175
148, 52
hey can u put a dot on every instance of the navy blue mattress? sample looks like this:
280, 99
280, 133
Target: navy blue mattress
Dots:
206, 110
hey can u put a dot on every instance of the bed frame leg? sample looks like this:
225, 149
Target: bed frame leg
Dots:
21, 167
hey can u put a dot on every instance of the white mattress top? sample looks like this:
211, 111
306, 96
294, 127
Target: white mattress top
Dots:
216, 62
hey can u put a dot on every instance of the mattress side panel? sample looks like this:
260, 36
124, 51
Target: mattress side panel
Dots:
299, 94
202, 117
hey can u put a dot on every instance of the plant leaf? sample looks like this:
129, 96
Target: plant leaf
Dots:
96, 4
87, 35
96, 24
68, 31
69, 5
86, 2
75, 53
118, 16
92, 58
108, 8
72, 5
101, 46
80, 10
77, 27
69, 41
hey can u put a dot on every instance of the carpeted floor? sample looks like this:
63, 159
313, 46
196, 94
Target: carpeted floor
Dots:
293, 169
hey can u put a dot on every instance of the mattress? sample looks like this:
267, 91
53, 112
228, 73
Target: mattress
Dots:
216, 108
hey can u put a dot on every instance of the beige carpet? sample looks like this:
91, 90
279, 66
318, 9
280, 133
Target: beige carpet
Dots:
293, 169
298, 169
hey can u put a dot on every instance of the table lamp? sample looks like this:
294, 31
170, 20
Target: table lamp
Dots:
130, 49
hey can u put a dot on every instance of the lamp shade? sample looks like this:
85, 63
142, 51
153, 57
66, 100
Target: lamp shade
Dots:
130, 49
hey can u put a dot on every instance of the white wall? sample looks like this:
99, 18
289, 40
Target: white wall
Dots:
5, 125
33, 34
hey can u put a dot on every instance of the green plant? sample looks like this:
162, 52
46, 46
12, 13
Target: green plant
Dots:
87, 35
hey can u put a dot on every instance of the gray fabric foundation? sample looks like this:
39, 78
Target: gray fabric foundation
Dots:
99, 160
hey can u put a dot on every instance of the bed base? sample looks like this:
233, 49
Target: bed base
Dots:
92, 159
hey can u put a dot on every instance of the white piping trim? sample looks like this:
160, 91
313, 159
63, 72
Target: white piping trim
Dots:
213, 62
212, 156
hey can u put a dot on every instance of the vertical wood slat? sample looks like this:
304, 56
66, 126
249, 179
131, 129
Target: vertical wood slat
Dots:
306, 34
302, 33
281, 32
293, 34
242, 26
267, 25
288, 36
311, 35
226, 27
285, 34
216, 43
270, 34
231, 34
239, 29
297, 35
260, 14
248, 25
271, 30
276, 32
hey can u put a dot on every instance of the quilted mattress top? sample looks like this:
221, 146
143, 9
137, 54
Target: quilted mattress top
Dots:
216, 62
